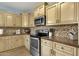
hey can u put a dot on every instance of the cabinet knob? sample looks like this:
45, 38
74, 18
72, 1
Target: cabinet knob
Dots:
62, 47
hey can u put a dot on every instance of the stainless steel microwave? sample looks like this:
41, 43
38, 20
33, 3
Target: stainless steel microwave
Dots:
40, 21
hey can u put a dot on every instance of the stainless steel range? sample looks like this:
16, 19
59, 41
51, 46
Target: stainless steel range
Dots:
35, 43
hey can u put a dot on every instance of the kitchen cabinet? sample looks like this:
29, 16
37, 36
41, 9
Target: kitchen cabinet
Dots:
2, 44
25, 19
78, 11
77, 51
40, 10
51, 15
59, 53
46, 47
45, 50
62, 49
31, 20
10, 20
36, 13
18, 22
10, 42
68, 12
27, 42
2, 19
18, 41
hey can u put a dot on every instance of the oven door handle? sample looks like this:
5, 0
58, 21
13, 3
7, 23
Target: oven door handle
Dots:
34, 38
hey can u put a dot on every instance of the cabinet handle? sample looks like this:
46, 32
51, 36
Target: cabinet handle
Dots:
62, 47
45, 42
51, 52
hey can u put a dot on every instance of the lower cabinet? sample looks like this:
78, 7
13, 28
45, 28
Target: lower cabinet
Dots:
27, 42
2, 44
60, 49
78, 52
45, 50
60, 53
46, 47
10, 42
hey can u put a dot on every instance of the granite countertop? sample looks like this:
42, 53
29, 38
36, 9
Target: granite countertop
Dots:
63, 41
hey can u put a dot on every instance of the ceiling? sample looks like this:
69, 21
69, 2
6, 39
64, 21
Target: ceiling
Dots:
18, 7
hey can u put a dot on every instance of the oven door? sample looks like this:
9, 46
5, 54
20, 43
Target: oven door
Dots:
35, 46
35, 43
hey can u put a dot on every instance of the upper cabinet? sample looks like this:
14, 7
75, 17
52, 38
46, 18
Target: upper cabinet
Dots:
2, 19
25, 19
18, 22
51, 14
10, 20
31, 20
68, 12
40, 11
78, 11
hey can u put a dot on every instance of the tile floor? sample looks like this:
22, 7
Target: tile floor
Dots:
21, 51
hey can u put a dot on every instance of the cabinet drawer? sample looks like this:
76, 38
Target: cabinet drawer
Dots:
65, 48
46, 42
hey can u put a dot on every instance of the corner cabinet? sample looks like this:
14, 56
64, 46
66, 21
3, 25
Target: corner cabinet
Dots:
68, 12
51, 14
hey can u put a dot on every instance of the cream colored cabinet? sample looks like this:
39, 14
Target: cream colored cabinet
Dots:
2, 44
40, 11
18, 22
78, 11
68, 12
64, 49
18, 41
45, 50
27, 42
78, 51
25, 19
36, 13
51, 15
59, 53
46, 47
31, 20
2, 19
10, 20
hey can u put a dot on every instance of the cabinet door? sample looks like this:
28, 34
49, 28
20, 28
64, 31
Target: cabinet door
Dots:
68, 12
31, 20
12, 41
9, 20
25, 20
36, 13
18, 21
20, 41
2, 44
59, 53
41, 10
78, 11
46, 51
51, 15
2, 19
27, 42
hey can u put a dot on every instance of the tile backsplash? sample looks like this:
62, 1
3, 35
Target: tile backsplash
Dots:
67, 31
